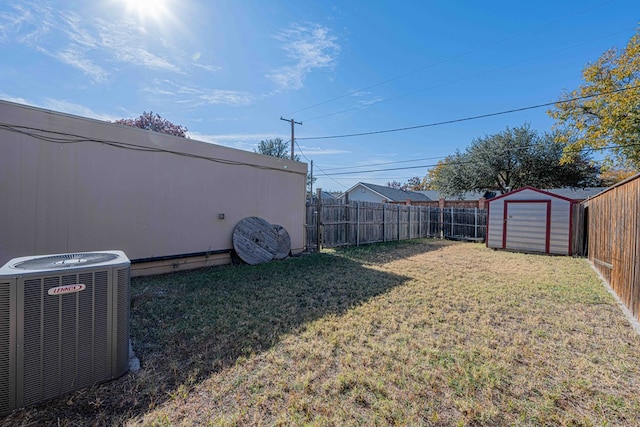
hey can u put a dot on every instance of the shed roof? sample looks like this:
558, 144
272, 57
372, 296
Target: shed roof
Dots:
537, 190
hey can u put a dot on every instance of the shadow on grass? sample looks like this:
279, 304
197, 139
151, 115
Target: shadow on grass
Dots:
381, 253
186, 326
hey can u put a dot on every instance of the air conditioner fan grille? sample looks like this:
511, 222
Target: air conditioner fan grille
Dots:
65, 261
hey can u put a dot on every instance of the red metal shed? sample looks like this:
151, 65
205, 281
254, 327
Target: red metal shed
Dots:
530, 220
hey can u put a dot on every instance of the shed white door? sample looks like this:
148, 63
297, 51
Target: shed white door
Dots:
527, 225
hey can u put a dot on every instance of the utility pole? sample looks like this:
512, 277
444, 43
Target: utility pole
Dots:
292, 134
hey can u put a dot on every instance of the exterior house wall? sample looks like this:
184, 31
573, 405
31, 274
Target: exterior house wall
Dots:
71, 184
530, 220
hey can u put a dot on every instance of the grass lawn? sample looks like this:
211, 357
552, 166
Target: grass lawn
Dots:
424, 332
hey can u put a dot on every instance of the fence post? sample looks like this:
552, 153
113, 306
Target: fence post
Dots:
420, 222
452, 232
384, 222
318, 218
475, 229
358, 223
398, 222
428, 221
441, 227
410, 222
347, 219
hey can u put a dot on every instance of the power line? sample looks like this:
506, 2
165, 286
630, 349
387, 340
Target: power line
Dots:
395, 169
387, 163
397, 177
301, 152
316, 166
464, 78
349, 93
482, 116
450, 163
331, 178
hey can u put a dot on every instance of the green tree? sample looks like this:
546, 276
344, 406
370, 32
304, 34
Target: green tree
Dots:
509, 160
275, 147
416, 184
610, 117
413, 184
613, 176
278, 148
154, 122
428, 182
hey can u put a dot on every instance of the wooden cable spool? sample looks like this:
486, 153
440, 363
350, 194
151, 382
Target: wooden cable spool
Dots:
255, 240
284, 242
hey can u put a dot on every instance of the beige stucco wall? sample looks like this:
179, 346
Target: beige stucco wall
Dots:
84, 194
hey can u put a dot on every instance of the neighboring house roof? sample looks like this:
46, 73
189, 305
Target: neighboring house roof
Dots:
324, 195
392, 194
618, 184
469, 195
327, 195
569, 193
577, 193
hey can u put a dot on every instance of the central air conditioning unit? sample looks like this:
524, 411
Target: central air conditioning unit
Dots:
64, 324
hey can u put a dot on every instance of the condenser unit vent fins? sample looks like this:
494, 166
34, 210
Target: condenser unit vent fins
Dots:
54, 262
61, 330
6, 359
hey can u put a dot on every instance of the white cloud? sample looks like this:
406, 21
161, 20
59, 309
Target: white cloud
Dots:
26, 23
76, 109
195, 96
90, 45
101, 48
211, 68
125, 41
36, 25
247, 142
61, 106
318, 151
72, 27
365, 99
17, 100
228, 97
308, 48
75, 58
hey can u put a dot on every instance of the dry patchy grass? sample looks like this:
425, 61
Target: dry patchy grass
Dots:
416, 333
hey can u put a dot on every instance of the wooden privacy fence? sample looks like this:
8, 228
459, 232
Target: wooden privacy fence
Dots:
335, 223
613, 229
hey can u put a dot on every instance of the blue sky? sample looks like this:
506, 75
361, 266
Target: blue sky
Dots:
229, 69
